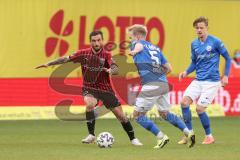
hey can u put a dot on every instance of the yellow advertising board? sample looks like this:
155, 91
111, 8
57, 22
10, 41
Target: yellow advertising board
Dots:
78, 112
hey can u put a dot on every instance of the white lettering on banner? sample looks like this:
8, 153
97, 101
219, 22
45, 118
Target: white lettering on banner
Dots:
173, 97
180, 96
223, 98
132, 93
236, 104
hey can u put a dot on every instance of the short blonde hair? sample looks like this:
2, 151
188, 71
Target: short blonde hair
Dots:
138, 30
199, 20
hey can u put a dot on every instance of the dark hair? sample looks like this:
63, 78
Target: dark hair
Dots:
94, 33
200, 19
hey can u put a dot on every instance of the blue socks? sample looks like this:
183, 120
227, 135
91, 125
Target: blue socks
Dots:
205, 122
148, 124
175, 120
187, 117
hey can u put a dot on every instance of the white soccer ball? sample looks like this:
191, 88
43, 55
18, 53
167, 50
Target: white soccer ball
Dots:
105, 140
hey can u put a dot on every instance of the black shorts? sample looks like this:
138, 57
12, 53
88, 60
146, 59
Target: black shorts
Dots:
108, 98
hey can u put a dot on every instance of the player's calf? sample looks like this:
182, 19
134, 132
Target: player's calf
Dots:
90, 102
174, 120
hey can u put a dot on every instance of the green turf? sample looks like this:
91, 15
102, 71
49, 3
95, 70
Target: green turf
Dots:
61, 140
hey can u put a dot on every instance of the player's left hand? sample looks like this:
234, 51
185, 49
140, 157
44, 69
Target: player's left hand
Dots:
41, 66
108, 70
131, 53
182, 75
224, 81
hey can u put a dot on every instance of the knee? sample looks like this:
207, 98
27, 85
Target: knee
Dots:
135, 114
122, 119
89, 108
90, 103
138, 116
185, 102
163, 114
200, 109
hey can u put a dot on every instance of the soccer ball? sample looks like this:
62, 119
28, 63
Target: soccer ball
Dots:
105, 140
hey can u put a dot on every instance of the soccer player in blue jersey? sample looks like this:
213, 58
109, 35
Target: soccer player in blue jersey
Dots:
152, 68
206, 51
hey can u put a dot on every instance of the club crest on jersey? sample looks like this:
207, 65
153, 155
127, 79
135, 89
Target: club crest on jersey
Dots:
101, 60
222, 45
209, 48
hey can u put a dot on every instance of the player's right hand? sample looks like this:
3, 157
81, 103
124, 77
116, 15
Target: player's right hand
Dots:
42, 66
182, 75
131, 53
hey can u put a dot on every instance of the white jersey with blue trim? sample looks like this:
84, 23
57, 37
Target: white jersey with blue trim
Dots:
149, 62
206, 57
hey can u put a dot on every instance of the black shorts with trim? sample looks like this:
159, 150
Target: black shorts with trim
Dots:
108, 98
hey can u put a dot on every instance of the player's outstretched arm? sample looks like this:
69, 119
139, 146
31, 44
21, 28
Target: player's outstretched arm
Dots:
41, 66
60, 60
190, 69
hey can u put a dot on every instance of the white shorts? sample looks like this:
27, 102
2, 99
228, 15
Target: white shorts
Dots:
204, 90
149, 96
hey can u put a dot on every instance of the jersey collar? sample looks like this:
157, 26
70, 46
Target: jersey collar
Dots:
94, 52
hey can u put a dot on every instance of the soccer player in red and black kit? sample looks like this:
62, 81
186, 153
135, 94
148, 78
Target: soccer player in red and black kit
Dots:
97, 65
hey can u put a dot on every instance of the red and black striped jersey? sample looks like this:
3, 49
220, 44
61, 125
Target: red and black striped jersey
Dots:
93, 64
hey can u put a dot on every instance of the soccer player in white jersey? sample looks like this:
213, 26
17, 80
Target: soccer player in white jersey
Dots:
152, 68
206, 50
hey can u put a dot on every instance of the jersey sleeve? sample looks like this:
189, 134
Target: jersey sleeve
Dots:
223, 51
192, 66
163, 59
75, 56
220, 46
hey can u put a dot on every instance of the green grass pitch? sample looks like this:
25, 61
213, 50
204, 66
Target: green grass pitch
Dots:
61, 140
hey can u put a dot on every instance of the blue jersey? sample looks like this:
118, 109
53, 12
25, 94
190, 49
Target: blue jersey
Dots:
149, 62
206, 57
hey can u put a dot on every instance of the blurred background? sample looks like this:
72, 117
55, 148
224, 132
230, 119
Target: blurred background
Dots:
33, 32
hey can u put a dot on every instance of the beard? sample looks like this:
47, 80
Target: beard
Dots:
96, 49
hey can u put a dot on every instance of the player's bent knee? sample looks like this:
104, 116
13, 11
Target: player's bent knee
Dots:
137, 114
89, 108
122, 118
163, 114
185, 102
90, 102
200, 109
119, 114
